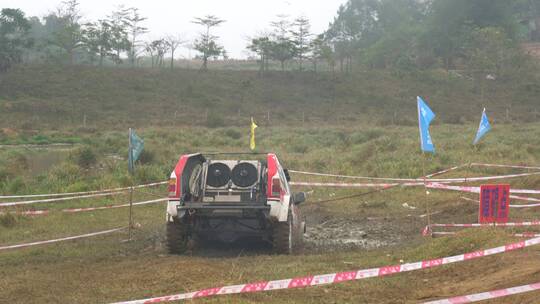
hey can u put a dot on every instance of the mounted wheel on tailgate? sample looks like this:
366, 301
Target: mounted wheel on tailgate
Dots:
227, 200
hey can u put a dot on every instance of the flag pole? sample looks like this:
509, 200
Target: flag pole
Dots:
428, 211
131, 186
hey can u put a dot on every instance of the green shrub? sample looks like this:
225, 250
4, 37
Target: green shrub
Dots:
146, 157
85, 157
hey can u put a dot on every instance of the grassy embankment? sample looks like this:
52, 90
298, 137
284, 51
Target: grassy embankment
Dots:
105, 269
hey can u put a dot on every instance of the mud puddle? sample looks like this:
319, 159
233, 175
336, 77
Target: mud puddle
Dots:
339, 234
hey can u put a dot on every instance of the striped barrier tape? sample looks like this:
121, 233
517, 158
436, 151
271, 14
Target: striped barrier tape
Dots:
445, 171
449, 180
511, 205
428, 230
61, 239
77, 210
300, 172
333, 278
82, 193
523, 235
476, 225
472, 189
428, 185
527, 235
343, 185
27, 212
51, 200
504, 166
488, 295
477, 190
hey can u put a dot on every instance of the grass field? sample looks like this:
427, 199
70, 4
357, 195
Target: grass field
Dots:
106, 269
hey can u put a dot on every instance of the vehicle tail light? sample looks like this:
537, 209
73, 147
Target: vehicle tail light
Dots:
276, 186
172, 187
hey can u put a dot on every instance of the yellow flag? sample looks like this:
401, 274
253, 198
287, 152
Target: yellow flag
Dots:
252, 139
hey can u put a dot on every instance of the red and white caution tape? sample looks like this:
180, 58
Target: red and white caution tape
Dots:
470, 189
333, 278
28, 212
344, 185
467, 189
60, 199
527, 235
477, 225
445, 171
475, 189
77, 210
60, 240
504, 166
511, 205
442, 180
428, 230
488, 295
81, 193
523, 235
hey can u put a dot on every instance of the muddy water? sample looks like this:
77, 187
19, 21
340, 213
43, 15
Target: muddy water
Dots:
339, 234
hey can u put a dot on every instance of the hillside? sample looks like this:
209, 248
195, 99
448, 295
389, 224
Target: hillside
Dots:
33, 97
42, 105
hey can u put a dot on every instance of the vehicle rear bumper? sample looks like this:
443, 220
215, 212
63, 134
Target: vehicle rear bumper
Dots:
204, 206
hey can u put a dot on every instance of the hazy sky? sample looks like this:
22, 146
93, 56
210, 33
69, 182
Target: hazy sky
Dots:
245, 18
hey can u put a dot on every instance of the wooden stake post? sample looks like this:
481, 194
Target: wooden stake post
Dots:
428, 211
131, 187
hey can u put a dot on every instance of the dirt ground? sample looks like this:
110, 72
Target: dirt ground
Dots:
107, 269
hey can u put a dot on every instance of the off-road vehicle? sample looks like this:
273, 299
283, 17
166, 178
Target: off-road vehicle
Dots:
226, 200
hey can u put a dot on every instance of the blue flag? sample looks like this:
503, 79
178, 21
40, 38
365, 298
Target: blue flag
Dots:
483, 128
425, 116
136, 145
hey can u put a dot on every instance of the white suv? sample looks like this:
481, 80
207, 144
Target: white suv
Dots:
227, 200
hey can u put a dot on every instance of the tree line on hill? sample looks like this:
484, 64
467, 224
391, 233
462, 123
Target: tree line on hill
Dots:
396, 34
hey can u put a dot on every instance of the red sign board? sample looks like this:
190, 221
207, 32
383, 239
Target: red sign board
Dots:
494, 204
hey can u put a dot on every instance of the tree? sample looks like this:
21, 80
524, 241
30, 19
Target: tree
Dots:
150, 51
489, 50
319, 50
68, 35
173, 42
157, 50
281, 46
450, 22
399, 24
161, 47
301, 38
527, 13
98, 37
261, 46
354, 28
119, 36
207, 43
14, 37
135, 29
